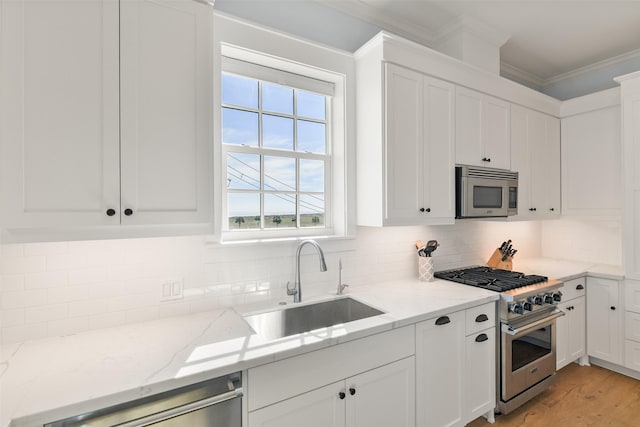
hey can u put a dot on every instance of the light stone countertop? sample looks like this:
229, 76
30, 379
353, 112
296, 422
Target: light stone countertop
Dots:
54, 378
567, 270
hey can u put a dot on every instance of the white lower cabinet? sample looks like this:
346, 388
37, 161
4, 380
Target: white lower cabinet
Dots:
455, 367
632, 325
571, 328
604, 320
363, 383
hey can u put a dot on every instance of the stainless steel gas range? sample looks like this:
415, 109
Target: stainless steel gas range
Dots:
527, 346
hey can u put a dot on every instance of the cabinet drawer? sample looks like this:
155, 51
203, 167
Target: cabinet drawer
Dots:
289, 377
574, 288
632, 326
632, 355
632, 295
479, 318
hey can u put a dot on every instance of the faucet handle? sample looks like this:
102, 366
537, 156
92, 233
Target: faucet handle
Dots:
290, 290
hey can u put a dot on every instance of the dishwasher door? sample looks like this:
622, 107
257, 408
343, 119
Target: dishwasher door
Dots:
212, 403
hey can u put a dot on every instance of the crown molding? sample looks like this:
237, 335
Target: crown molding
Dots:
606, 63
521, 76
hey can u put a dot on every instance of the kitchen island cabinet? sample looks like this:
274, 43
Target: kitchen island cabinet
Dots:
106, 113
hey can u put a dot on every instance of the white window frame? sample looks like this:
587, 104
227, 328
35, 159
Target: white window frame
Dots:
263, 67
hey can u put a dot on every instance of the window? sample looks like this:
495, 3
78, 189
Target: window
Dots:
277, 151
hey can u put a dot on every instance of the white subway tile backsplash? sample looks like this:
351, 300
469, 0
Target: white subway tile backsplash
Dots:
50, 289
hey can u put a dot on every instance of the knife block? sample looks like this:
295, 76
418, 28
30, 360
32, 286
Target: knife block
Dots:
496, 261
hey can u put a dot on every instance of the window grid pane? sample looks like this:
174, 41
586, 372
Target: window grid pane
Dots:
289, 189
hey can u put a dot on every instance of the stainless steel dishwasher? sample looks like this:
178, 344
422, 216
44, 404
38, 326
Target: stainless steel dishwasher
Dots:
212, 403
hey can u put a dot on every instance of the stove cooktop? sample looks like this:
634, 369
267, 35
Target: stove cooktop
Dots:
492, 279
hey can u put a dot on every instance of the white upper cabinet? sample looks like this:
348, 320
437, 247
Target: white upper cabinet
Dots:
59, 113
106, 113
535, 155
592, 163
405, 146
482, 130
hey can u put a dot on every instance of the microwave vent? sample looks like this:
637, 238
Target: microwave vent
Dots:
506, 175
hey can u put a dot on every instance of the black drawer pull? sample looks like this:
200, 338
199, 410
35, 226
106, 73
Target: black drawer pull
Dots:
342, 395
482, 318
443, 320
482, 338
579, 287
352, 391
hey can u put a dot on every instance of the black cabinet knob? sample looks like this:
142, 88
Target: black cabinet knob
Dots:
341, 395
425, 210
486, 159
128, 212
352, 391
579, 287
532, 209
613, 308
552, 209
421, 209
111, 212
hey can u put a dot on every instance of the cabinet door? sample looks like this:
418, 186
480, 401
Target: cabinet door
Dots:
438, 151
480, 388
404, 144
59, 137
591, 142
383, 397
544, 149
577, 329
497, 137
440, 360
469, 127
166, 111
535, 155
323, 407
604, 320
482, 130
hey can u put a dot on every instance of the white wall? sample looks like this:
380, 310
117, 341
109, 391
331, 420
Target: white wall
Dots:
592, 241
52, 289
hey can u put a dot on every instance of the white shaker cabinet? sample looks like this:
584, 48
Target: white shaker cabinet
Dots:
632, 325
591, 142
535, 155
455, 367
630, 99
604, 320
405, 146
571, 328
106, 113
482, 130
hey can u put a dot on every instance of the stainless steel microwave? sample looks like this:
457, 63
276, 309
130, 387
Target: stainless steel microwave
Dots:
485, 192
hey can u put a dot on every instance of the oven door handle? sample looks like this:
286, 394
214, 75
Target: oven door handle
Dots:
508, 329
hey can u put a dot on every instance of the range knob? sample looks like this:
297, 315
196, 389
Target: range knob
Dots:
516, 308
536, 299
557, 296
548, 298
527, 306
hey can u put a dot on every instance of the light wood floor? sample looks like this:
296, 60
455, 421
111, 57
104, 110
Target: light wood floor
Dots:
581, 396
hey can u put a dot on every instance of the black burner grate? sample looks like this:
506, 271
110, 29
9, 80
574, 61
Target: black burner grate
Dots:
489, 278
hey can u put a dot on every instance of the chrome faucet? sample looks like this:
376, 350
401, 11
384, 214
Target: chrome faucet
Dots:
297, 289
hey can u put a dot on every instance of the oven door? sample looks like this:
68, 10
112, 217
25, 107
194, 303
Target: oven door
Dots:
528, 354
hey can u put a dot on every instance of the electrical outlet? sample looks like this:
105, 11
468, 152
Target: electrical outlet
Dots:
171, 290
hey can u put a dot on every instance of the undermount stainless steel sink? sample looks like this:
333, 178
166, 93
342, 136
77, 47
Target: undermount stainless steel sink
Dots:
305, 318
